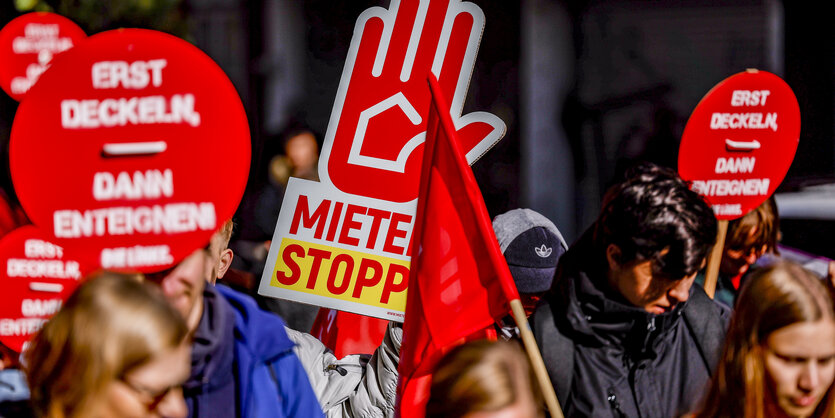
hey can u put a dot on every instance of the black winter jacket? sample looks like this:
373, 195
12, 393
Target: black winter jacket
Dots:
626, 361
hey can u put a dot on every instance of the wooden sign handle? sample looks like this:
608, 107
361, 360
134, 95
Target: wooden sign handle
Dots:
535, 356
715, 258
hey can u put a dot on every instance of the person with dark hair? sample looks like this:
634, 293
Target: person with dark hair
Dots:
779, 355
623, 332
748, 238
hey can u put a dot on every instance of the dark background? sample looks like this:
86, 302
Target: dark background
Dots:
585, 87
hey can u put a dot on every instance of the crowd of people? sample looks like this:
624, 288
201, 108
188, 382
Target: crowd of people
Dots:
620, 317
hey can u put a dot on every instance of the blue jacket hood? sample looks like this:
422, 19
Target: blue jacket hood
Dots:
269, 380
261, 332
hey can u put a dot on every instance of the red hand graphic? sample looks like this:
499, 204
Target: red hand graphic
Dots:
374, 143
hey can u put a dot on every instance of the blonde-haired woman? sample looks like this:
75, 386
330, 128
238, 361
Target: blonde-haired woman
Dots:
484, 379
779, 355
115, 349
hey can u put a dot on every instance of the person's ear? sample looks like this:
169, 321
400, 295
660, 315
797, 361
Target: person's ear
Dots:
224, 262
613, 257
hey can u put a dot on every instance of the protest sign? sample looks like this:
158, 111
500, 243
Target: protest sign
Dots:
737, 147
740, 141
36, 277
28, 45
131, 150
352, 230
339, 252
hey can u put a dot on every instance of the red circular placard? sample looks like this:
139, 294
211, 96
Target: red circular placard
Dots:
740, 141
27, 46
36, 277
131, 150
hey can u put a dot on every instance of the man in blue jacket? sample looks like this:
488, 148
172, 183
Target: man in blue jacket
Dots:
242, 362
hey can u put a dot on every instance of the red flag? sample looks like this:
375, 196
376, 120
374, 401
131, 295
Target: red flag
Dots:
459, 281
348, 333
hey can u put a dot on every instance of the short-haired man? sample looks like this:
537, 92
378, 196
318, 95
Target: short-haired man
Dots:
242, 362
623, 331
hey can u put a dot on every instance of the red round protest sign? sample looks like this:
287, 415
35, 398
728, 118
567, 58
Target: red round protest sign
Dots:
36, 277
740, 141
28, 45
131, 150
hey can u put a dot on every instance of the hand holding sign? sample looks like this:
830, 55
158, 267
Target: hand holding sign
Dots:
378, 121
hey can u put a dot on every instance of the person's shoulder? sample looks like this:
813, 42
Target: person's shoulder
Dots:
725, 312
545, 321
305, 343
262, 331
700, 279
240, 300
703, 304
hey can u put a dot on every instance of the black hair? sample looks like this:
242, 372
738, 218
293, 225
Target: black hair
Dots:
296, 126
653, 215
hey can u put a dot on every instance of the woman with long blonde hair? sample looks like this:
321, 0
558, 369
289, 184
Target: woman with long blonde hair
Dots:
115, 349
779, 355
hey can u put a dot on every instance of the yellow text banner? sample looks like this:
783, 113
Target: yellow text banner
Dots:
345, 275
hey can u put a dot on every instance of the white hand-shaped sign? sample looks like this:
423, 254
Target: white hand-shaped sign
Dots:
373, 146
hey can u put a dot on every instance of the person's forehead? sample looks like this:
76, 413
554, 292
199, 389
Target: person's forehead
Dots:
746, 237
189, 265
167, 368
193, 263
156, 277
216, 242
302, 138
647, 269
804, 339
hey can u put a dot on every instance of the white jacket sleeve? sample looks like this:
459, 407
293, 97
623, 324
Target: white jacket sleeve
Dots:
355, 386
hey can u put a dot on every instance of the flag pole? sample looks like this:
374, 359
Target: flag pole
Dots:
715, 257
536, 359
480, 214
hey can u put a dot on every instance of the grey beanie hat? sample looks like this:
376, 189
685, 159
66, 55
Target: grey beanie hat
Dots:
532, 246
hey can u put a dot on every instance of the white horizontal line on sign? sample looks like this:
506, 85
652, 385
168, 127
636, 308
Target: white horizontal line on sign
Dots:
46, 287
134, 148
742, 145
